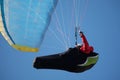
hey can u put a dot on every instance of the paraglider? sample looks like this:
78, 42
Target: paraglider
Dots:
24, 28
24, 23
77, 59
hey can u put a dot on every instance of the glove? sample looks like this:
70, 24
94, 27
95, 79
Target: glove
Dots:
80, 32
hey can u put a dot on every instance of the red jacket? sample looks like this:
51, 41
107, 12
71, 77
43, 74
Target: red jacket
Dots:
85, 48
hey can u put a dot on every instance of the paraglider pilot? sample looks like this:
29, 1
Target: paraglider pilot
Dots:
85, 48
77, 59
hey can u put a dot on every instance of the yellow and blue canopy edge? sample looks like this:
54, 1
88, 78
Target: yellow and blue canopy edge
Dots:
18, 47
25, 48
25, 33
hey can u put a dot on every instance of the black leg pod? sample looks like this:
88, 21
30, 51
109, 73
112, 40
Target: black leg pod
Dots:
71, 60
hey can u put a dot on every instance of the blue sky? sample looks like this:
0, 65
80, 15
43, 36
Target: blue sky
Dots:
100, 23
